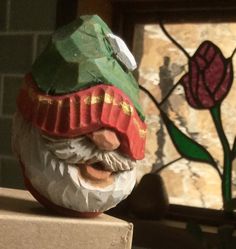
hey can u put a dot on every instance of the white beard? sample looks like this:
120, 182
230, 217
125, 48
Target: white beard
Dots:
50, 167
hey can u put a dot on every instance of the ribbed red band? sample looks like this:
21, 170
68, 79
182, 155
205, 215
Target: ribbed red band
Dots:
82, 112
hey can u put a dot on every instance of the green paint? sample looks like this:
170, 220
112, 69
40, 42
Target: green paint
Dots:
227, 167
79, 56
187, 147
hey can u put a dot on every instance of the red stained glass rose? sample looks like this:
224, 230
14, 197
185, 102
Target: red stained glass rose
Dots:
209, 78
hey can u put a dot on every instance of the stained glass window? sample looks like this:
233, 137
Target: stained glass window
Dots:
162, 64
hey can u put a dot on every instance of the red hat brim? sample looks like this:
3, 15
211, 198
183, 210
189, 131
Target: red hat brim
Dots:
82, 112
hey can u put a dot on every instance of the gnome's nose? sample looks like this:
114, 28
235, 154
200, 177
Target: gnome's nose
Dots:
105, 139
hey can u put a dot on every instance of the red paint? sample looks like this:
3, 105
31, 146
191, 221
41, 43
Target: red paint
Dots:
209, 78
68, 116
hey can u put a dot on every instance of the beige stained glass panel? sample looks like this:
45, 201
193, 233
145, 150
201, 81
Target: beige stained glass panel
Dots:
161, 64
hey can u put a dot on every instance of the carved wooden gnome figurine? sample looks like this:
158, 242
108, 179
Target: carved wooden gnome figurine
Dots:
79, 128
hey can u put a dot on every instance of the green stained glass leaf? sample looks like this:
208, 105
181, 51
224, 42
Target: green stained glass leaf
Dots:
187, 147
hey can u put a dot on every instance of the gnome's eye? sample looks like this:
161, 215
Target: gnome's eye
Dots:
122, 52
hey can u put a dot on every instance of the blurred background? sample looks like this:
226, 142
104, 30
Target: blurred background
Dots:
25, 27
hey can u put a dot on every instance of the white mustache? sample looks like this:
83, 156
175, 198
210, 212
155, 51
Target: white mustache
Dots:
83, 150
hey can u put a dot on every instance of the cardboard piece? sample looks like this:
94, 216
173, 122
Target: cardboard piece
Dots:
25, 224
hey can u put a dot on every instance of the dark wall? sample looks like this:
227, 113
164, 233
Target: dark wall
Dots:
25, 27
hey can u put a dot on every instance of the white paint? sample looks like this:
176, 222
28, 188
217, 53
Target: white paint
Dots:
122, 52
59, 181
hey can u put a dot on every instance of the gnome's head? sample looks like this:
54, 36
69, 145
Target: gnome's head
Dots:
79, 128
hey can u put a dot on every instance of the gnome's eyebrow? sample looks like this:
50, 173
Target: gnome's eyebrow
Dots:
54, 140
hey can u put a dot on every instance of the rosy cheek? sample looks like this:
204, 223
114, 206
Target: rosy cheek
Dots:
105, 139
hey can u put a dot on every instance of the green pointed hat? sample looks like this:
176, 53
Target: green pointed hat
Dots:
80, 55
